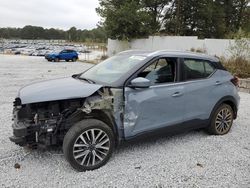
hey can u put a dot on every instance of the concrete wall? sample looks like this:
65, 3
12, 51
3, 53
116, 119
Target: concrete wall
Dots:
30, 41
217, 47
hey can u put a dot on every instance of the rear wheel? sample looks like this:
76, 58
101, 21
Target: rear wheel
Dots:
222, 120
88, 145
74, 59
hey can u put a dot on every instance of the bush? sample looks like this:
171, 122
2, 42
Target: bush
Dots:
239, 63
103, 57
198, 50
238, 66
241, 46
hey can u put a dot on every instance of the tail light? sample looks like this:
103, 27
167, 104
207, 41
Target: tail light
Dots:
235, 81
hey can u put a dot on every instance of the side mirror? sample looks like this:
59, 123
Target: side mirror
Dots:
140, 82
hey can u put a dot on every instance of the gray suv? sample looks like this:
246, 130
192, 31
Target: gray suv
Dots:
128, 95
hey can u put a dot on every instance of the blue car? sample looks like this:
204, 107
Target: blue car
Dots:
131, 94
67, 55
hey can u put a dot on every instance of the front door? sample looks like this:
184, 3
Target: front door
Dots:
158, 106
63, 54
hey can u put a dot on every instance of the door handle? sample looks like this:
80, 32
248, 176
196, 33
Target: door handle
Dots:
177, 94
217, 83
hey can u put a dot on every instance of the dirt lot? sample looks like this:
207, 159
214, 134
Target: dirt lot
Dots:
192, 159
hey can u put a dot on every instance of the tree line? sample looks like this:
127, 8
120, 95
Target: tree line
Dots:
129, 19
73, 34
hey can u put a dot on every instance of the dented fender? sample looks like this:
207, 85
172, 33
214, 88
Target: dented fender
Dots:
107, 99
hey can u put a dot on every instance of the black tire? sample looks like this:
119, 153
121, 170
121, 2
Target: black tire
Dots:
74, 59
73, 137
67, 60
221, 124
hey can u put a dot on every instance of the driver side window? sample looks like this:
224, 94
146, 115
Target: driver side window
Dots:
161, 71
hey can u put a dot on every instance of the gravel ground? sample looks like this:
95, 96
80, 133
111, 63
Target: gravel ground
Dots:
192, 159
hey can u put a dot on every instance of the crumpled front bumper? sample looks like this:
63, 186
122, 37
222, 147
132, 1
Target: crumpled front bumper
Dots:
23, 133
21, 141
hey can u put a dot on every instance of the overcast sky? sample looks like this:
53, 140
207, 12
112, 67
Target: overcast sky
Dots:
61, 14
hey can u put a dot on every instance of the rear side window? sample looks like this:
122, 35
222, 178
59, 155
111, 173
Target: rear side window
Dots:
208, 69
196, 69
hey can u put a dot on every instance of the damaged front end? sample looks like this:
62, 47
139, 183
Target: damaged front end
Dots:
40, 123
46, 123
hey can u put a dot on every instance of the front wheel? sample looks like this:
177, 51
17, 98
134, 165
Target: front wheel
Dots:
222, 120
74, 59
88, 145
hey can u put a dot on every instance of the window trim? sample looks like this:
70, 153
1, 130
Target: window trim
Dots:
177, 79
182, 82
196, 59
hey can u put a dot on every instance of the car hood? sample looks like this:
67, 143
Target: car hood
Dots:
57, 89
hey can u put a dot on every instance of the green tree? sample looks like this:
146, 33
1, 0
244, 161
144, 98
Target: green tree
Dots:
155, 10
246, 20
206, 18
124, 20
99, 34
72, 34
32, 32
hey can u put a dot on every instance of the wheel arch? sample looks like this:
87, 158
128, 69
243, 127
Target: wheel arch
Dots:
105, 117
74, 57
102, 115
226, 100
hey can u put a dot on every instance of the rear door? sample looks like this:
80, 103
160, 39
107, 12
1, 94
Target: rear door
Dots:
198, 77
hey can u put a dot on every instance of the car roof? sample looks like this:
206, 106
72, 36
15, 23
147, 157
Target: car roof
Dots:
170, 53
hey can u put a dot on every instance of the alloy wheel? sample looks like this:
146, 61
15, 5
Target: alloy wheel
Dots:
223, 120
91, 147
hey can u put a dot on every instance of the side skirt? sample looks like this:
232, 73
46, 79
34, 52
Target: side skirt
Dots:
172, 130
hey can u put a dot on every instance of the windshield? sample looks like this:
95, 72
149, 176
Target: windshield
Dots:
112, 69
